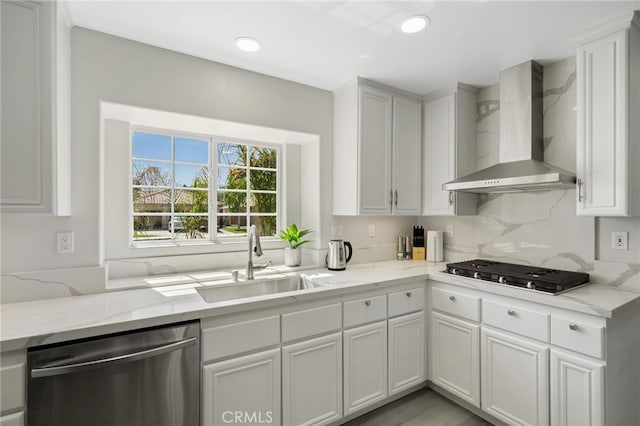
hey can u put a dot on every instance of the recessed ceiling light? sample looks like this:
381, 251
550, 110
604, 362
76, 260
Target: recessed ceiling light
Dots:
248, 44
416, 23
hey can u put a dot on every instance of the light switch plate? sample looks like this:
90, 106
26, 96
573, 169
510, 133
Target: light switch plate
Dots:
620, 240
372, 230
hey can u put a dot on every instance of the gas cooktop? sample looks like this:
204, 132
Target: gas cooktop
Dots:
553, 281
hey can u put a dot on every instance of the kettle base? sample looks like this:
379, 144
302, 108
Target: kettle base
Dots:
337, 269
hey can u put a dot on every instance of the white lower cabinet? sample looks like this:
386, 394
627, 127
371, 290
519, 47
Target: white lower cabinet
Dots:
312, 381
244, 390
365, 366
16, 419
455, 356
515, 379
406, 351
577, 388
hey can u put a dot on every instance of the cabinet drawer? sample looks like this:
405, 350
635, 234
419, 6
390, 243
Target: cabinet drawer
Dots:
365, 310
516, 319
223, 341
577, 336
461, 305
310, 322
406, 301
12, 380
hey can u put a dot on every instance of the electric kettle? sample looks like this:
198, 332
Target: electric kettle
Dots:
337, 259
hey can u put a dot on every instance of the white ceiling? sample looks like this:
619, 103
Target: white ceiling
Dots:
326, 43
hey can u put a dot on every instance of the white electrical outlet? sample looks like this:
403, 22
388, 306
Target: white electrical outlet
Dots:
450, 232
620, 240
372, 230
337, 232
65, 242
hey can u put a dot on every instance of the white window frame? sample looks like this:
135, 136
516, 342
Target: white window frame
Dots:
212, 213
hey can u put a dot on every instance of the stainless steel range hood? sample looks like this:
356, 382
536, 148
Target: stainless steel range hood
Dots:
521, 166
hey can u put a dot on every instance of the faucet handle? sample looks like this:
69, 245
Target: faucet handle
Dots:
234, 275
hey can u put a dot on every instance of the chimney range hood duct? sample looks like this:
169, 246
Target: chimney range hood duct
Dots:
521, 166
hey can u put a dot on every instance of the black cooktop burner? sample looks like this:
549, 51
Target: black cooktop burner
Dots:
542, 279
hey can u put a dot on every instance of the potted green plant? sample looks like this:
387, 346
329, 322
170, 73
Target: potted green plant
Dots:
294, 237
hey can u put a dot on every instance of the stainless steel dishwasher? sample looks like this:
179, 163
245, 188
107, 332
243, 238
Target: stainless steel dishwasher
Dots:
142, 378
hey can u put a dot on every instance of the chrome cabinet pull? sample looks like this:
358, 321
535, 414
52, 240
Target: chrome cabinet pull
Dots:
408, 294
452, 298
573, 327
450, 198
367, 302
511, 313
580, 196
395, 193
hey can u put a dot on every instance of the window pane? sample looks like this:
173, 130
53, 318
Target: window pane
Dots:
263, 180
229, 226
231, 154
262, 157
263, 203
146, 145
151, 200
151, 173
232, 202
190, 201
232, 178
192, 150
150, 228
191, 176
190, 227
266, 225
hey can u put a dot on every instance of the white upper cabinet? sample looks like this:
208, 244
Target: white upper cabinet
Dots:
377, 150
449, 150
608, 74
34, 144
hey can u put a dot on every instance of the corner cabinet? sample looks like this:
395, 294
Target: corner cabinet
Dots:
448, 150
376, 151
608, 76
35, 117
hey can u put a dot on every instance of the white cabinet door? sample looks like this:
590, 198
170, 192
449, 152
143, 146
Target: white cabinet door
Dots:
365, 366
439, 155
374, 163
577, 387
515, 379
603, 148
454, 354
249, 385
312, 381
406, 352
407, 156
448, 149
35, 119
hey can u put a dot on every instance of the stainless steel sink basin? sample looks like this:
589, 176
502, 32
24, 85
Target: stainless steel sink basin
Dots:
259, 287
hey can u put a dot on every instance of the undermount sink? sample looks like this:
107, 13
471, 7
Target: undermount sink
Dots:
259, 287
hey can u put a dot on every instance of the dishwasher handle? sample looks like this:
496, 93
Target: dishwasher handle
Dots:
104, 362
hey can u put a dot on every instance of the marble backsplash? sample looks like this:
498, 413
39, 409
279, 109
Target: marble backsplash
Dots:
536, 228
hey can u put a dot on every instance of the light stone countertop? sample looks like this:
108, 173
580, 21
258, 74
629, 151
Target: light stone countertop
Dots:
34, 323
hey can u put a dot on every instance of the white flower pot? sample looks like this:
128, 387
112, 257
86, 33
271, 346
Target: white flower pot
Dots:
292, 256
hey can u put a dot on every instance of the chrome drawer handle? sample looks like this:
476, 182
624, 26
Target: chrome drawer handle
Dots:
573, 327
367, 302
408, 294
511, 313
452, 298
